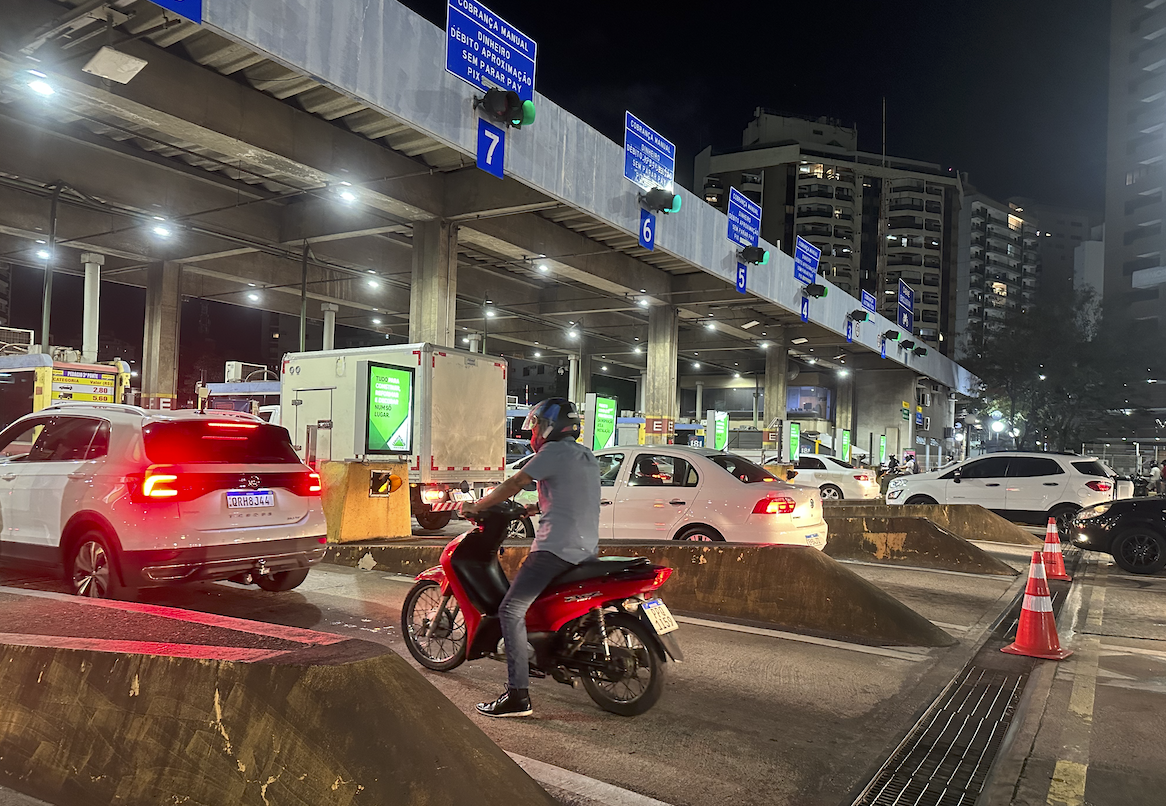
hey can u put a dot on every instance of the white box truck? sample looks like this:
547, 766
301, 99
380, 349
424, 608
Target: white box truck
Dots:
441, 410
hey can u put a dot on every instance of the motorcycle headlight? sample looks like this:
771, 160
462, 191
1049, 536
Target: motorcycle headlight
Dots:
1093, 512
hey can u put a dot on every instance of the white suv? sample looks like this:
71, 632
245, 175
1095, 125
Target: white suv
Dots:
1026, 486
120, 497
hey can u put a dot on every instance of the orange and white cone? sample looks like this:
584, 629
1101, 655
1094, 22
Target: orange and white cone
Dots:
1053, 559
1036, 635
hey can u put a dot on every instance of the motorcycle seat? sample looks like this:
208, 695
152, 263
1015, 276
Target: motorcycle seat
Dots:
601, 567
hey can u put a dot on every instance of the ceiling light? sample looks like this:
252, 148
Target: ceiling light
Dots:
158, 217
44, 254
763, 333
604, 368
696, 365
711, 325
489, 313
134, 374
41, 87
811, 361
374, 283
544, 268
643, 291
41, 240
162, 232
253, 297
747, 325
637, 338
800, 340
843, 372
696, 353
637, 351
764, 345
346, 196
736, 374
376, 321
37, 73
251, 284
538, 355
465, 339
573, 334
643, 303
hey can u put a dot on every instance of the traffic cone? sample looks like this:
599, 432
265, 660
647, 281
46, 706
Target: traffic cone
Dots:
1051, 554
1036, 635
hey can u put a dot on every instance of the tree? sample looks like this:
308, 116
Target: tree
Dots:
1060, 370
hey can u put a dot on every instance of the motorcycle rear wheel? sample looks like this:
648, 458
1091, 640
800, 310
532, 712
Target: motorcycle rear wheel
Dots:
445, 648
636, 652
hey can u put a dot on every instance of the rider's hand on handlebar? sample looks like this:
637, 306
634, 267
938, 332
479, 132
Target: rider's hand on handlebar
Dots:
468, 509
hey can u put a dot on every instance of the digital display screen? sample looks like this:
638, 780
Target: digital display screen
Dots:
390, 410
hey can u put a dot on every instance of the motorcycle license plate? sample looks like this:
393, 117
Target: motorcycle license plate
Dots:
660, 617
460, 496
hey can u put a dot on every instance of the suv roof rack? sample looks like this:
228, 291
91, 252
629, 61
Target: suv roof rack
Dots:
75, 404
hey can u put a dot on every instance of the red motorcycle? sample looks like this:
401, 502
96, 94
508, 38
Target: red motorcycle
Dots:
599, 622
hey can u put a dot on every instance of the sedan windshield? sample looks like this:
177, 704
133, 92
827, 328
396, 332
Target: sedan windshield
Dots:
743, 469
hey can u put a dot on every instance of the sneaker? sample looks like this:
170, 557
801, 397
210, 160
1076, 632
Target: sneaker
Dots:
512, 703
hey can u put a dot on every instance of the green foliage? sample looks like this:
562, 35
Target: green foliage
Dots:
1093, 372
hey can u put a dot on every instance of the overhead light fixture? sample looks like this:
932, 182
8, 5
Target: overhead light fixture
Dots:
573, 334
114, 65
799, 340
162, 231
489, 313
44, 254
41, 240
253, 297
711, 325
544, 268
376, 321
41, 87
643, 303
134, 374
465, 339
811, 361
843, 372
374, 283
736, 374
637, 351
696, 365
604, 368
747, 325
538, 355
764, 345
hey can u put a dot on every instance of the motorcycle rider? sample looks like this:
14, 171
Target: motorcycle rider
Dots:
568, 532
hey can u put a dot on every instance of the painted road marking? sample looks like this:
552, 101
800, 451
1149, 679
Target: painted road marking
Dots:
1067, 787
198, 651
294, 634
600, 793
898, 654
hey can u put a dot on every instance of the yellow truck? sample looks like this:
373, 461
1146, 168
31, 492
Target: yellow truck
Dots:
34, 381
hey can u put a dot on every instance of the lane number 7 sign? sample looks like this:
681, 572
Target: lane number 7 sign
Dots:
491, 148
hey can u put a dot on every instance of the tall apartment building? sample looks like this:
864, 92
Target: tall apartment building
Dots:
999, 266
876, 219
1136, 164
1062, 230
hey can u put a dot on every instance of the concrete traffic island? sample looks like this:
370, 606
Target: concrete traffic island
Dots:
910, 541
792, 588
226, 711
969, 521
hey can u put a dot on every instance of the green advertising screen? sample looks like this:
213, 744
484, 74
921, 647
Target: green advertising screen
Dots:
721, 430
845, 455
795, 439
390, 409
882, 449
603, 423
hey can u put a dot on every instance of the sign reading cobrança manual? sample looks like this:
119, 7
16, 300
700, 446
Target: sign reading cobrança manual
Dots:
390, 409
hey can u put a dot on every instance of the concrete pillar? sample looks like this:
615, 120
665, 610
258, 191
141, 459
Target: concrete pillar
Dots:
161, 343
843, 409
89, 315
433, 294
329, 309
475, 342
573, 380
641, 384
776, 369
660, 389
699, 401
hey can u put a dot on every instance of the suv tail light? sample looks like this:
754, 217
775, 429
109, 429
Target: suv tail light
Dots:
159, 483
1099, 486
308, 484
774, 506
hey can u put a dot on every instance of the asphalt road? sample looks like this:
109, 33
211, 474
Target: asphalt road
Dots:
748, 719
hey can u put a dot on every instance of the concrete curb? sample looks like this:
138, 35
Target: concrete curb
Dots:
792, 587
969, 521
908, 541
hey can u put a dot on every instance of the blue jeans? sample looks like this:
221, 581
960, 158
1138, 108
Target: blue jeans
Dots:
537, 571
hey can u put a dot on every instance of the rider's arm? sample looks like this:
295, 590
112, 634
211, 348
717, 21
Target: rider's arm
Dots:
507, 489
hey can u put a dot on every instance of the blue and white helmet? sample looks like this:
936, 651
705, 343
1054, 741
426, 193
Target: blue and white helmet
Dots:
551, 420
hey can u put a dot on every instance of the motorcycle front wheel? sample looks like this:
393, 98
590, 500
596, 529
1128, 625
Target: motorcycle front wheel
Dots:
634, 678
437, 643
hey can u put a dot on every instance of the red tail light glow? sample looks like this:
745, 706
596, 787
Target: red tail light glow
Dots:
236, 426
157, 483
774, 506
432, 495
160, 486
661, 577
1099, 486
862, 477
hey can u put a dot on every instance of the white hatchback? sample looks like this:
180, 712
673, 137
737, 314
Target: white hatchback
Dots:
1024, 486
672, 492
833, 477
121, 497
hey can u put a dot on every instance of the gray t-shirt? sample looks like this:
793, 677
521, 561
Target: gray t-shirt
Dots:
568, 497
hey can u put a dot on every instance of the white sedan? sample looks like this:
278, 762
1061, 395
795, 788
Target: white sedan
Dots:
678, 493
836, 479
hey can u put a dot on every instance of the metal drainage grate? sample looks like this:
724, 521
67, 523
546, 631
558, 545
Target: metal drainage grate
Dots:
944, 760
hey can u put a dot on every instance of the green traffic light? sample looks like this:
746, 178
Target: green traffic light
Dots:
764, 258
527, 117
676, 202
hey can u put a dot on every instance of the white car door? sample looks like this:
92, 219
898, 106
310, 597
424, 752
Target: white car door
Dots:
657, 490
69, 447
610, 465
1035, 484
21, 456
811, 471
981, 481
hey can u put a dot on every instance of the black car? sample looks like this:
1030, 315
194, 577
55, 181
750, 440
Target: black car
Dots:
1133, 530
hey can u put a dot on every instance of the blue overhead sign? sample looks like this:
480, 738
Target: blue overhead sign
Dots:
868, 301
806, 257
649, 160
191, 9
483, 49
744, 219
491, 148
647, 229
805, 310
906, 319
742, 278
849, 330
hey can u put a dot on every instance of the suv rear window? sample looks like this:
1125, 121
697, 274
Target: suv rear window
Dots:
1094, 468
743, 469
218, 441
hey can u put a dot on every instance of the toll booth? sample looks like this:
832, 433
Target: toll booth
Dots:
34, 381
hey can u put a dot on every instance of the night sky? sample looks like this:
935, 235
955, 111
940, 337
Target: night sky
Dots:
1014, 93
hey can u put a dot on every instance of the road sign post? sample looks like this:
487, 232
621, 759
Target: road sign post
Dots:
491, 148
649, 159
485, 51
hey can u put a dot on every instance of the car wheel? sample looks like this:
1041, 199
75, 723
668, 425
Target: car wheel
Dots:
93, 567
432, 521
521, 529
703, 534
283, 581
1139, 551
919, 500
1063, 515
831, 492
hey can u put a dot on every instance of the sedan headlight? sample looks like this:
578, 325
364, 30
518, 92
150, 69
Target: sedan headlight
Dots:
900, 482
1093, 512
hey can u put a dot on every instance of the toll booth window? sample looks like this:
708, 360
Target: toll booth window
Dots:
809, 401
230, 442
609, 465
16, 443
